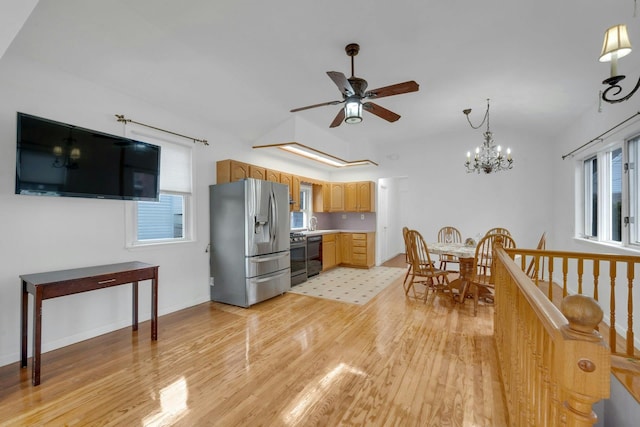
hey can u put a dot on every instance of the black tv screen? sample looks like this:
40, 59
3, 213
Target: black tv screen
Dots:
58, 159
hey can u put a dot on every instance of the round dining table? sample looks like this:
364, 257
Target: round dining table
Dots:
466, 254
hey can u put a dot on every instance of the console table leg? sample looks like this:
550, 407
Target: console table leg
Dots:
37, 336
154, 305
134, 299
24, 325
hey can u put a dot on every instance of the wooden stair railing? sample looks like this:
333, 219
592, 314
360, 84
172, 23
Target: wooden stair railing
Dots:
554, 364
590, 272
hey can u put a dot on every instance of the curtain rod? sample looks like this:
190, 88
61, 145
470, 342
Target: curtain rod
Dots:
599, 137
125, 121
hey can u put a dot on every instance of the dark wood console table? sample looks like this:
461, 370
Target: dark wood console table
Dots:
67, 282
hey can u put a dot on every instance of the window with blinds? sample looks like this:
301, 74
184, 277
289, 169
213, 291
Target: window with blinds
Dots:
169, 219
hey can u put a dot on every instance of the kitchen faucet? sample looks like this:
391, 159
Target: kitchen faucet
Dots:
313, 223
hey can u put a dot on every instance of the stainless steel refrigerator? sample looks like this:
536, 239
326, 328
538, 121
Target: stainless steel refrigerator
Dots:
249, 241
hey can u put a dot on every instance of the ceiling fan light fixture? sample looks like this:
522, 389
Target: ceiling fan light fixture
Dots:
353, 111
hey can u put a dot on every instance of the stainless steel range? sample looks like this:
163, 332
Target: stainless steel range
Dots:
298, 257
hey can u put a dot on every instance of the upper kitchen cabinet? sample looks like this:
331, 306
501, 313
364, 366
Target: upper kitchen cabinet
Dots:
359, 196
231, 171
257, 172
293, 182
336, 196
274, 176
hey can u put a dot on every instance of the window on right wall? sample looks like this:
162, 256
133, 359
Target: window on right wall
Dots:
610, 199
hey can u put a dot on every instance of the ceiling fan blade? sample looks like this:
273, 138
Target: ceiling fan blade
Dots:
381, 112
396, 89
341, 81
338, 119
316, 105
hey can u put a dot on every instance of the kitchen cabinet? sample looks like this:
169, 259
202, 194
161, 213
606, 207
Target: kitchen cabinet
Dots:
329, 249
336, 197
359, 196
327, 196
338, 248
287, 179
257, 172
358, 249
295, 192
230, 171
346, 248
273, 176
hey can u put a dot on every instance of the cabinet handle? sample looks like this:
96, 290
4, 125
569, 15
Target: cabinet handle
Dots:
102, 282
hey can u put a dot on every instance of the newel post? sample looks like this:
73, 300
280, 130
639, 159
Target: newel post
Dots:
583, 361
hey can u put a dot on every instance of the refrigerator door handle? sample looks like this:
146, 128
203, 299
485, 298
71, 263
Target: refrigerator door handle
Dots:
267, 279
274, 207
257, 260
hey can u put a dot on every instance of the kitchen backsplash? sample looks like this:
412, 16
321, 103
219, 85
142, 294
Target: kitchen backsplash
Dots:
346, 221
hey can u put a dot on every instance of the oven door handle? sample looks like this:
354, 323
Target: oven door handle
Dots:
269, 258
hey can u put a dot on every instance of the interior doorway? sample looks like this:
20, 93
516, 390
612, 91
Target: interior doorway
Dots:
390, 217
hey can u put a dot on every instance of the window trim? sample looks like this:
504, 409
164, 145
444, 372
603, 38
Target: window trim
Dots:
603, 156
131, 207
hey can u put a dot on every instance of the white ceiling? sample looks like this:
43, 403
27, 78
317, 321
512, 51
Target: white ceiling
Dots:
243, 64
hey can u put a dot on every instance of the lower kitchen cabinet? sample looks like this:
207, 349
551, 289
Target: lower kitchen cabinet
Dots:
329, 250
348, 249
358, 249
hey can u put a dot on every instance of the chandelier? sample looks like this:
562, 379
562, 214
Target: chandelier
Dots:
488, 157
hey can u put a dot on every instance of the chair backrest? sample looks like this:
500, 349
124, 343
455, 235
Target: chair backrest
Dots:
532, 271
449, 234
421, 260
498, 230
407, 245
483, 261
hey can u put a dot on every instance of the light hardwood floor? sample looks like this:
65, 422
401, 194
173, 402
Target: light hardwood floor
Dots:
290, 361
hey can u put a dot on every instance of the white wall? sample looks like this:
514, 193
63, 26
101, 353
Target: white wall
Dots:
47, 233
440, 192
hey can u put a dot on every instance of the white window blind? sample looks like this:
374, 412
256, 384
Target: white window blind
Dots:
175, 167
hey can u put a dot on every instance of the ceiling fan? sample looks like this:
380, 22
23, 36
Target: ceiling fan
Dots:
354, 93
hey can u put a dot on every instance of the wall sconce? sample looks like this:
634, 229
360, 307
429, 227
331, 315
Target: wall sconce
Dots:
353, 110
616, 45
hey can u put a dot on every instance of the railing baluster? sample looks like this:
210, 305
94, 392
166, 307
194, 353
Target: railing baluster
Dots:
630, 337
596, 274
612, 305
565, 268
580, 272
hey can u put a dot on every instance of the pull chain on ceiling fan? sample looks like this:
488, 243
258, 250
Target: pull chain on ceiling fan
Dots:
354, 92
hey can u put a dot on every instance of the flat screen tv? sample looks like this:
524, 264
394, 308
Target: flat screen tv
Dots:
58, 159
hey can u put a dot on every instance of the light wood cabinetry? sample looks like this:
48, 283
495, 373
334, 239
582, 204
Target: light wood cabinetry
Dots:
338, 248
336, 203
257, 172
327, 196
231, 171
358, 249
295, 192
359, 196
346, 249
329, 249
274, 176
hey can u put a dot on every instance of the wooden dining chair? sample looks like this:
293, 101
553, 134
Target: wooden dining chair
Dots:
533, 269
448, 234
498, 230
407, 257
423, 270
482, 280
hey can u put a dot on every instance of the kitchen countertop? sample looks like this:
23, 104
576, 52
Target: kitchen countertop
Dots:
321, 232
